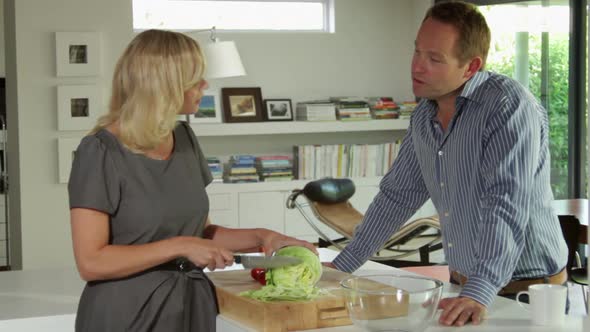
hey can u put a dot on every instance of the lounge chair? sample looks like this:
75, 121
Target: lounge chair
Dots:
325, 201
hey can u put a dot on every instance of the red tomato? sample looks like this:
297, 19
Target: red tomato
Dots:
259, 275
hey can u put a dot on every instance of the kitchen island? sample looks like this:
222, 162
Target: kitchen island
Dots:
46, 300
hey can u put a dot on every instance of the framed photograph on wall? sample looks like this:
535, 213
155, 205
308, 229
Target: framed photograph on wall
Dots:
66, 148
78, 107
77, 53
278, 110
242, 104
209, 109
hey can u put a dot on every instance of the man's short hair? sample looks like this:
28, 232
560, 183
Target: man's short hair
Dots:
474, 33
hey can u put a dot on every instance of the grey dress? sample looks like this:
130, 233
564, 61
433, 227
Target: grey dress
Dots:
147, 200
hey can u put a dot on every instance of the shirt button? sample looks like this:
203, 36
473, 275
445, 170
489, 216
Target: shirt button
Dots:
440, 153
442, 184
450, 245
446, 214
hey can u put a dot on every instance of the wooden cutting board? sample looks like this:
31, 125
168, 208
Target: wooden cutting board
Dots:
325, 311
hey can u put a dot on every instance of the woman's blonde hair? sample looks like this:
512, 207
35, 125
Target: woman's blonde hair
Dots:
149, 82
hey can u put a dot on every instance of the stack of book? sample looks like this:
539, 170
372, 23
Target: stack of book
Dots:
352, 108
406, 109
216, 168
242, 168
384, 108
318, 110
275, 168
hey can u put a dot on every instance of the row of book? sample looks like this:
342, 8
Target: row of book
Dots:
308, 162
344, 160
353, 109
249, 168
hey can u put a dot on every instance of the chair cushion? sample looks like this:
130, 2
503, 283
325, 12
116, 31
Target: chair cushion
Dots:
329, 190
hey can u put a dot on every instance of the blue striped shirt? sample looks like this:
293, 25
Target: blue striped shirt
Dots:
488, 176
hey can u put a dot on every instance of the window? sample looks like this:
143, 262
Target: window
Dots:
266, 15
538, 44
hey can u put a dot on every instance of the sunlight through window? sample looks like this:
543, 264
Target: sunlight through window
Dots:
302, 15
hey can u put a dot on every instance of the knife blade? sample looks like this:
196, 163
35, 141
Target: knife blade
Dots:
266, 262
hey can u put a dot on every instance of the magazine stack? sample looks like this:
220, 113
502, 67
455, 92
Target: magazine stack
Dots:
216, 168
406, 109
319, 110
275, 168
242, 168
352, 108
384, 108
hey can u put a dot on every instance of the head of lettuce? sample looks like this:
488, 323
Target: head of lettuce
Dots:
291, 283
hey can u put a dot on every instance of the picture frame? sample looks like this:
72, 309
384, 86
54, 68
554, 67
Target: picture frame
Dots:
242, 104
209, 109
278, 110
66, 148
78, 107
77, 53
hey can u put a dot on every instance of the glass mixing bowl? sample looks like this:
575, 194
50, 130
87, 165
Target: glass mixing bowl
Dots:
388, 302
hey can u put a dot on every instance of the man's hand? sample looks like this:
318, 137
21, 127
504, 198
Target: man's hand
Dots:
460, 310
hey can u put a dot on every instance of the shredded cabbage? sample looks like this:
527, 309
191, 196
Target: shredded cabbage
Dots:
291, 283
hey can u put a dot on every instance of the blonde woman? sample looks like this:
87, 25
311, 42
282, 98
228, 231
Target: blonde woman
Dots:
138, 205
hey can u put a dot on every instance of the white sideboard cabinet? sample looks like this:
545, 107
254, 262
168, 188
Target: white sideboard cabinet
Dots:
250, 205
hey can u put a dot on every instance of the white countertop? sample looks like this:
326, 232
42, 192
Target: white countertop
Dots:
46, 300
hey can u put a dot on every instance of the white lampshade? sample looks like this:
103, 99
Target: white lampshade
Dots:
223, 60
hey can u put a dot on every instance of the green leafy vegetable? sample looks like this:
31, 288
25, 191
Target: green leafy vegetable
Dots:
291, 283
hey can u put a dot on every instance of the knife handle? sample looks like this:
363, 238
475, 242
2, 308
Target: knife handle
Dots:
238, 259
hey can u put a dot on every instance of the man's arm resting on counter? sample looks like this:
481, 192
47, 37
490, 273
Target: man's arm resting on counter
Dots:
402, 193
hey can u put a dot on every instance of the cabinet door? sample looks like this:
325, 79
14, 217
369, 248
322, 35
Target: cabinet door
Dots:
296, 225
223, 209
262, 209
363, 196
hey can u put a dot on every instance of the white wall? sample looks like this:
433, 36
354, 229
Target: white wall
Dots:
368, 55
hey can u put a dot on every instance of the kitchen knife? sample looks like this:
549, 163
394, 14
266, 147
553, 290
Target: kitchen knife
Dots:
266, 262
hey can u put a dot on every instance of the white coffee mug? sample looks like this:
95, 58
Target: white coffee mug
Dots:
547, 303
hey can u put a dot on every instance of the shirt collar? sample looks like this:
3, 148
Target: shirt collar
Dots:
468, 91
472, 84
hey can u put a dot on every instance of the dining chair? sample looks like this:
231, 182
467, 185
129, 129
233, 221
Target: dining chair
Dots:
577, 272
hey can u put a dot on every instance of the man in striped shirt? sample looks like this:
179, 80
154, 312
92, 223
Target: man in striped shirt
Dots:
478, 146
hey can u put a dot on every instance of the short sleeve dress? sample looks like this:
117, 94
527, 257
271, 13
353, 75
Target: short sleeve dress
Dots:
147, 200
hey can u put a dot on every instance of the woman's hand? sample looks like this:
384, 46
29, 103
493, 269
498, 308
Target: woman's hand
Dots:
205, 253
273, 241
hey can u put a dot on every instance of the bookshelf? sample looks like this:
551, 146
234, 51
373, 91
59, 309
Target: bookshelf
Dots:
298, 127
262, 204
278, 138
